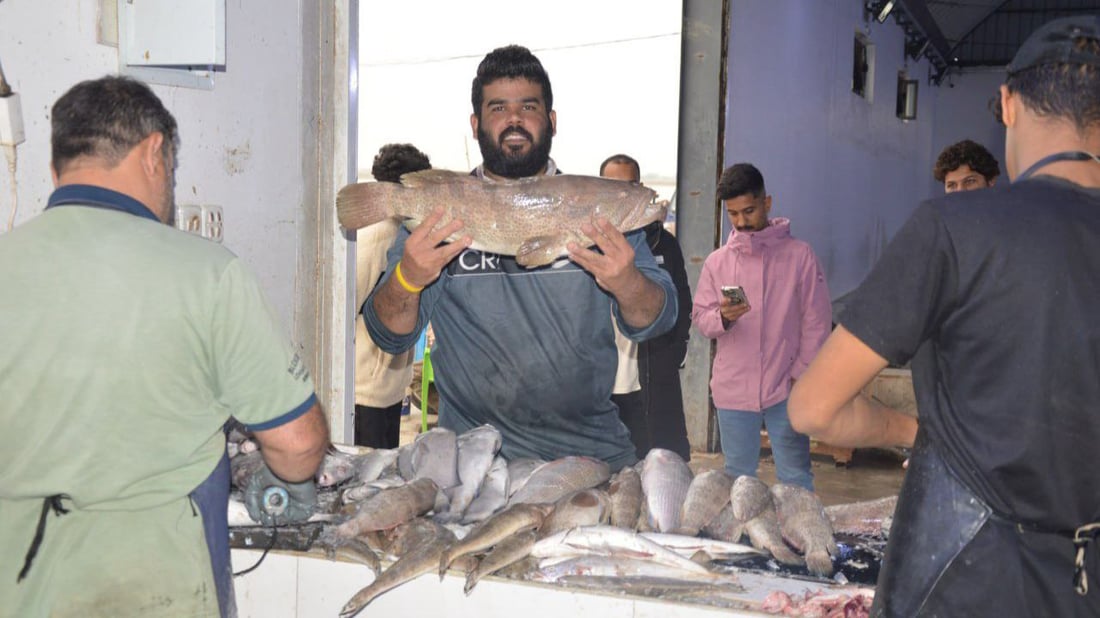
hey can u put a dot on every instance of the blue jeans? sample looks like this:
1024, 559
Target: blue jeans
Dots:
740, 432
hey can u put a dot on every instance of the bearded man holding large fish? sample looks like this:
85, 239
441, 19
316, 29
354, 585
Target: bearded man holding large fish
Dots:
525, 339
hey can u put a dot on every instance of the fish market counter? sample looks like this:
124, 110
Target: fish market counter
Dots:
293, 584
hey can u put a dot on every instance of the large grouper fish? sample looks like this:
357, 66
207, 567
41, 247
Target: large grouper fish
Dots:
531, 218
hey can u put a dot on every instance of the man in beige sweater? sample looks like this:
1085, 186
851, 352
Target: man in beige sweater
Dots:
381, 379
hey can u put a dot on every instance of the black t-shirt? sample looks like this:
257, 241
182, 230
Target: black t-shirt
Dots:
999, 289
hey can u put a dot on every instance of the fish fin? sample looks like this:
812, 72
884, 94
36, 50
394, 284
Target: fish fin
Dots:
365, 203
471, 580
685, 531
701, 557
819, 562
541, 250
425, 178
444, 563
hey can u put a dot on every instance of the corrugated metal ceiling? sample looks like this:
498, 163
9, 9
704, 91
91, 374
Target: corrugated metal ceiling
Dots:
955, 34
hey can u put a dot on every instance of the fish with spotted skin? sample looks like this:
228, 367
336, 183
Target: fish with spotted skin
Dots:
556, 479
587, 507
708, 493
625, 493
754, 510
724, 527
513, 520
531, 218
390, 507
804, 525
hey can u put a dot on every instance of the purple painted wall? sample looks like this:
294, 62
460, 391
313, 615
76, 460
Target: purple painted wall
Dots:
845, 171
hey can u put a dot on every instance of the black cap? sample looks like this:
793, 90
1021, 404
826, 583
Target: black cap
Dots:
1052, 43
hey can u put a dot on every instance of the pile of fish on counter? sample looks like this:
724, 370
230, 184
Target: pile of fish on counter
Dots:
450, 501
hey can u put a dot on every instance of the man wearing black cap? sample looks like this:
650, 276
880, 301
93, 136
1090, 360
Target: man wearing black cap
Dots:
1000, 509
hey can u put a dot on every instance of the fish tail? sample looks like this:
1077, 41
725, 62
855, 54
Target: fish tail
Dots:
365, 203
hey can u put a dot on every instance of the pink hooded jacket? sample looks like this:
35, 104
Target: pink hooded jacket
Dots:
790, 316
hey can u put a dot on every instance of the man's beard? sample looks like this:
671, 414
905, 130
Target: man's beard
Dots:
505, 163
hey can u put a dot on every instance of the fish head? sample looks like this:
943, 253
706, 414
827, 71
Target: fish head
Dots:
640, 207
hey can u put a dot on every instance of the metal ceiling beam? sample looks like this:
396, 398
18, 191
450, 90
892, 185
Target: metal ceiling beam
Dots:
917, 10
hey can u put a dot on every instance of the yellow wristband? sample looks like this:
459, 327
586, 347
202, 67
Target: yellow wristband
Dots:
410, 288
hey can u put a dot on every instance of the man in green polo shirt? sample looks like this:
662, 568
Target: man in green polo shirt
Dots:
125, 346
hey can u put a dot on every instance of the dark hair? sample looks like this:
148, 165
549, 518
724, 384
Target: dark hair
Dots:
740, 179
105, 118
969, 153
510, 62
1065, 90
393, 160
621, 159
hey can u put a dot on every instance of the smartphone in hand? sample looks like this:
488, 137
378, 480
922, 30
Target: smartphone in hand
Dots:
735, 294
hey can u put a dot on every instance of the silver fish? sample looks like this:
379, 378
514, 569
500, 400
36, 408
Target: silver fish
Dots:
493, 495
708, 493
336, 467
609, 568
435, 456
531, 218
689, 546
612, 542
357, 493
404, 461
476, 450
519, 470
665, 481
372, 464
754, 510
556, 479
804, 525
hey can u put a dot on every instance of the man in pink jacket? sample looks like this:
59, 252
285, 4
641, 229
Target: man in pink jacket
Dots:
767, 337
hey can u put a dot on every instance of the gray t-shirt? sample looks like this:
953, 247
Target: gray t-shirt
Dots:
528, 351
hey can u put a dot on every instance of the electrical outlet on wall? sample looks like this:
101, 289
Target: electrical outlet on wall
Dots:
189, 218
212, 222
201, 220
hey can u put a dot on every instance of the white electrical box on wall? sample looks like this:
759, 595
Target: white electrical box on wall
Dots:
204, 220
172, 42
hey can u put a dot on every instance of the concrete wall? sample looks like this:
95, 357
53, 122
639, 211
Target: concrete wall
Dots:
846, 172
261, 144
239, 142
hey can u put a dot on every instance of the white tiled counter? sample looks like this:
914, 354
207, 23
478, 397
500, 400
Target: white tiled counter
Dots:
290, 584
